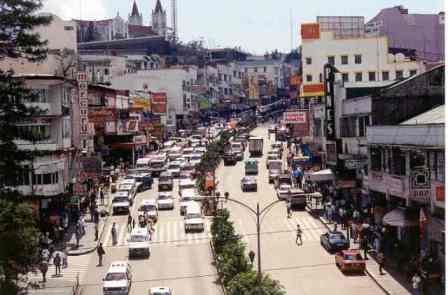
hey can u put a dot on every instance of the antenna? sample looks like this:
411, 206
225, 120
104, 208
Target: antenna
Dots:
174, 18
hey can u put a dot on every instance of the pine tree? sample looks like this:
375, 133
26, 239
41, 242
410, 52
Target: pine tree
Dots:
18, 230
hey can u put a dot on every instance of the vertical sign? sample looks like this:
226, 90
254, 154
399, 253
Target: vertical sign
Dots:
330, 126
83, 109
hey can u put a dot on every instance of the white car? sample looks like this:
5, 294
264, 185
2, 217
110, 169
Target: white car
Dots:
195, 158
174, 168
186, 197
120, 202
193, 218
118, 278
160, 291
150, 207
283, 191
138, 242
165, 201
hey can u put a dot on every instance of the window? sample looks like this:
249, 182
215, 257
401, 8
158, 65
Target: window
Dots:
358, 77
309, 78
348, 127
331, 60
375, 159
255, 70
308, 60
264, 69
398, 162
358, 59
41, 95
106, 72
363, 122
440, 166
225, 91
234, 74
344, 59
34, 132
418, 160
412, 73
345, 77
225, 77
68, 28
398, 75
372, 76
385, 75
220, 77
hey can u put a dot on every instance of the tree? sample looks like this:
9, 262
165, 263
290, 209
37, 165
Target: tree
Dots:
18, 230
247, 283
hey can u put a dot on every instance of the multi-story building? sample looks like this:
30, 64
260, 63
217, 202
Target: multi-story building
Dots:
342, 26
423, 33
360, 60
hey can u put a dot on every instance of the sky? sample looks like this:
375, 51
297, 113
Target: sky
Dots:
256, 26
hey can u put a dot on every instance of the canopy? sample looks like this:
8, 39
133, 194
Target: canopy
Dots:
398, 218
322, 175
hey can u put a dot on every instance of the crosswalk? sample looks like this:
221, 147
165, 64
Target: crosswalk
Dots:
166, 232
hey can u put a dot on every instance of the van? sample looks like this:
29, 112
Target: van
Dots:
138, 242
194, 221
118, 279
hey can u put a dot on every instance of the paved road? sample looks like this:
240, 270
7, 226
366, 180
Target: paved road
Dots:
178, 260
306, 269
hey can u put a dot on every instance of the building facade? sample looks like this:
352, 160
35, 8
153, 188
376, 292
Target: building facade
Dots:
342, 26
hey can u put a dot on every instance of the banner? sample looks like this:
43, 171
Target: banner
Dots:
310, 31
294, 117
102, 115
159, 102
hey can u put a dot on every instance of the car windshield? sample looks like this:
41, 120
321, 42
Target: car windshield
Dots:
116, 276
164, 197
336, 237
174, 166
186, 199
193, 215
156, 164
196, 157
147, 208
352, 257
164, 178
161, 293
138, 238
120, 199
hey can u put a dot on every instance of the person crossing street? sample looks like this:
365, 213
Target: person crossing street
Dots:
299, 234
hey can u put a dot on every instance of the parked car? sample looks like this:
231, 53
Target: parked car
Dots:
165, 201
350, 261
334, 241
248, 183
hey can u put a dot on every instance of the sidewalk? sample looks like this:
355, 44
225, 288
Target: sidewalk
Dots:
87, 243
392, 283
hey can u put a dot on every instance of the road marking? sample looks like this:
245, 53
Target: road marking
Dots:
123, 232
108, 234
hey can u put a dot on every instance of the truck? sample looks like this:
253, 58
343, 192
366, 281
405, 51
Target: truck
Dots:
251, 167
256, 146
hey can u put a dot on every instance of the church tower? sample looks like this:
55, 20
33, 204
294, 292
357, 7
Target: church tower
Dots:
159, 20
135, 18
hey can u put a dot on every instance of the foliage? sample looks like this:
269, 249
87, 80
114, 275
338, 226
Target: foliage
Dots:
19, 255
247, 283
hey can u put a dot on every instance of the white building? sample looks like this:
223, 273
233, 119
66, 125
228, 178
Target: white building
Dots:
176, 82
360, 60
272, 70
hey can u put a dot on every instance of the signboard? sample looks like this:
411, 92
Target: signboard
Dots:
294, 117
158, 97
313, 90
354, 164
332, 155
102, 115
158, 108
422, 195
140, 139
394, 185
440, 193
159, 102
143, 103
132, 126
295, 80
310, 31
90, 164
330, 128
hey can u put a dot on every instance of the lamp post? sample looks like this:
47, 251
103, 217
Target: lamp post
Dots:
259, 213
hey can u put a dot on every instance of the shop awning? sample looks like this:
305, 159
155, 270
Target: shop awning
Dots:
322, 175
398, 218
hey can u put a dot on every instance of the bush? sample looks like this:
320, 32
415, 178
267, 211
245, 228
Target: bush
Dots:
247, 283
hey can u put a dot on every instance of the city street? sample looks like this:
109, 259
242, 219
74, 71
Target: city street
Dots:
305, 269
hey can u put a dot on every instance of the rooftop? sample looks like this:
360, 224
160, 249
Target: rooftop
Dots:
434, 116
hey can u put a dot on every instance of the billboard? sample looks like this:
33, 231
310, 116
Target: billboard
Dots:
296, 117
310, 31
100, 116
313, 90
158, 102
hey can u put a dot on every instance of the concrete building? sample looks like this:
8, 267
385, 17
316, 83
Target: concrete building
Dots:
135, 18
423, 33
360, 60
342, 26
159, 24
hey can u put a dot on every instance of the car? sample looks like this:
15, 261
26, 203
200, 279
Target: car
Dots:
150, 207
334, 241
118, 279
271, 157
130, 189
283, 191
350, 261
195, 158
165, 201
174, 168
248, 183
143, 177
186, 197
194, 221
165, 181
138, 242
186, 183
185, 175
160, 291
121, 203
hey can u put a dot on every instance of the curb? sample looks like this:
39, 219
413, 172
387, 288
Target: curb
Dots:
370, 257
224, 291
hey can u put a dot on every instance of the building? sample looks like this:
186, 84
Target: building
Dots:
407, 182
159, 20
424, 33
342, 26
363, 60
135, 18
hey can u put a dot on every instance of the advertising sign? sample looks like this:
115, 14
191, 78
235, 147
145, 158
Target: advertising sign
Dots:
440, 193
310, 31
297, 117
159, 108
142, 103
159, 102
110, 127
330, 128
102, 115
90, 164
140, 139
158, 97
313, 90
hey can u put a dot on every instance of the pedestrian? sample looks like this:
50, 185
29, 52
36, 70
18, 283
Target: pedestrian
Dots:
45, 255
416, 284
65, 258
133, 222
43, 267
380, 259
114, 234
364, 246
100, 251
129, 222
288, 208
78, 234
299, 234
96, 232
102, 196
354, 231
96, 215
57, 264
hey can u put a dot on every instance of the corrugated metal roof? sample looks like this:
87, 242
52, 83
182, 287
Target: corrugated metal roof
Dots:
434, 116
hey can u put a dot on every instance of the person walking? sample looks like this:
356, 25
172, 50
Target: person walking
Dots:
129, 222
78, 234
101, 196
133, 222
288, 209
364, 246
96, 232
299, 234
416, 284
65, 258
381, 259
43, 267
100, 251
114, 234
57, 264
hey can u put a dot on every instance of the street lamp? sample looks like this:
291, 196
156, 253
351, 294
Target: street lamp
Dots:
259, 213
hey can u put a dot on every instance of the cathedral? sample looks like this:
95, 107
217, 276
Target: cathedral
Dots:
118, 28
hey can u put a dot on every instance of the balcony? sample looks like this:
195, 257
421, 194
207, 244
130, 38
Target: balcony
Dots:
46, 190
43, 145
46, 108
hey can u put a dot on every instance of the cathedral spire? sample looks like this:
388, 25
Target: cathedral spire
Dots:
135, 10
158, 7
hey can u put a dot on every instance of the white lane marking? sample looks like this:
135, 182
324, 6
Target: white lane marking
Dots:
123, 230
108, 234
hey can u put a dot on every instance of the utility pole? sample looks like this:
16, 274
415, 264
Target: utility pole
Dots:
258, 244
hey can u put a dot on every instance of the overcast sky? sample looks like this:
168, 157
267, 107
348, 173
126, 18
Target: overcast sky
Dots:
255, 25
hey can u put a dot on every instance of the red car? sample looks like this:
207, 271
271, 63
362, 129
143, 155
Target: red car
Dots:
350, 261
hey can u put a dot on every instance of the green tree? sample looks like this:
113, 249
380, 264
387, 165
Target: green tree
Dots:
246, 283
18, 230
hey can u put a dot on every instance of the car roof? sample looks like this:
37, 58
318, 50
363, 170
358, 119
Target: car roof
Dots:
148, 202
140, 231
118, 266
121, 194
350, 252
157, 289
